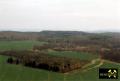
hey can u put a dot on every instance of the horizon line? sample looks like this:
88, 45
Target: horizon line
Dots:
94, 31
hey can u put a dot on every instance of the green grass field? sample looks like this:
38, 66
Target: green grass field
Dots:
18, 45
71, 54
11, 72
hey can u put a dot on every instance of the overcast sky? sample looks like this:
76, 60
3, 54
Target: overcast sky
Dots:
80, 15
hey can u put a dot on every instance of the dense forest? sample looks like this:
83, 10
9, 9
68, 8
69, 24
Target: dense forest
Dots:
109, 39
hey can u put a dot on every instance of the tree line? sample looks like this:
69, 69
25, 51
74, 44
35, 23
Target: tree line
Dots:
42, 60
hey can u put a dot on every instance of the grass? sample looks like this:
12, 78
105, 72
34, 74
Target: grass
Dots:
18, 45
71, 54
11, 72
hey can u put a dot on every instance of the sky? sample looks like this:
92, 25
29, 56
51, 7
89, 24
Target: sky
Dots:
76, 15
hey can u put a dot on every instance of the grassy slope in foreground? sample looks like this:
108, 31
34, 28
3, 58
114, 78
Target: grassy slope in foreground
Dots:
10, 72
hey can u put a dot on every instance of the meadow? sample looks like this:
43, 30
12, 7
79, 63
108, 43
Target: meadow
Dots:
18, 45
11, 72
76, 55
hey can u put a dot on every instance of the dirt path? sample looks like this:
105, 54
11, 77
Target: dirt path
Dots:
84, 68
112, 62
91, 63
98, 65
